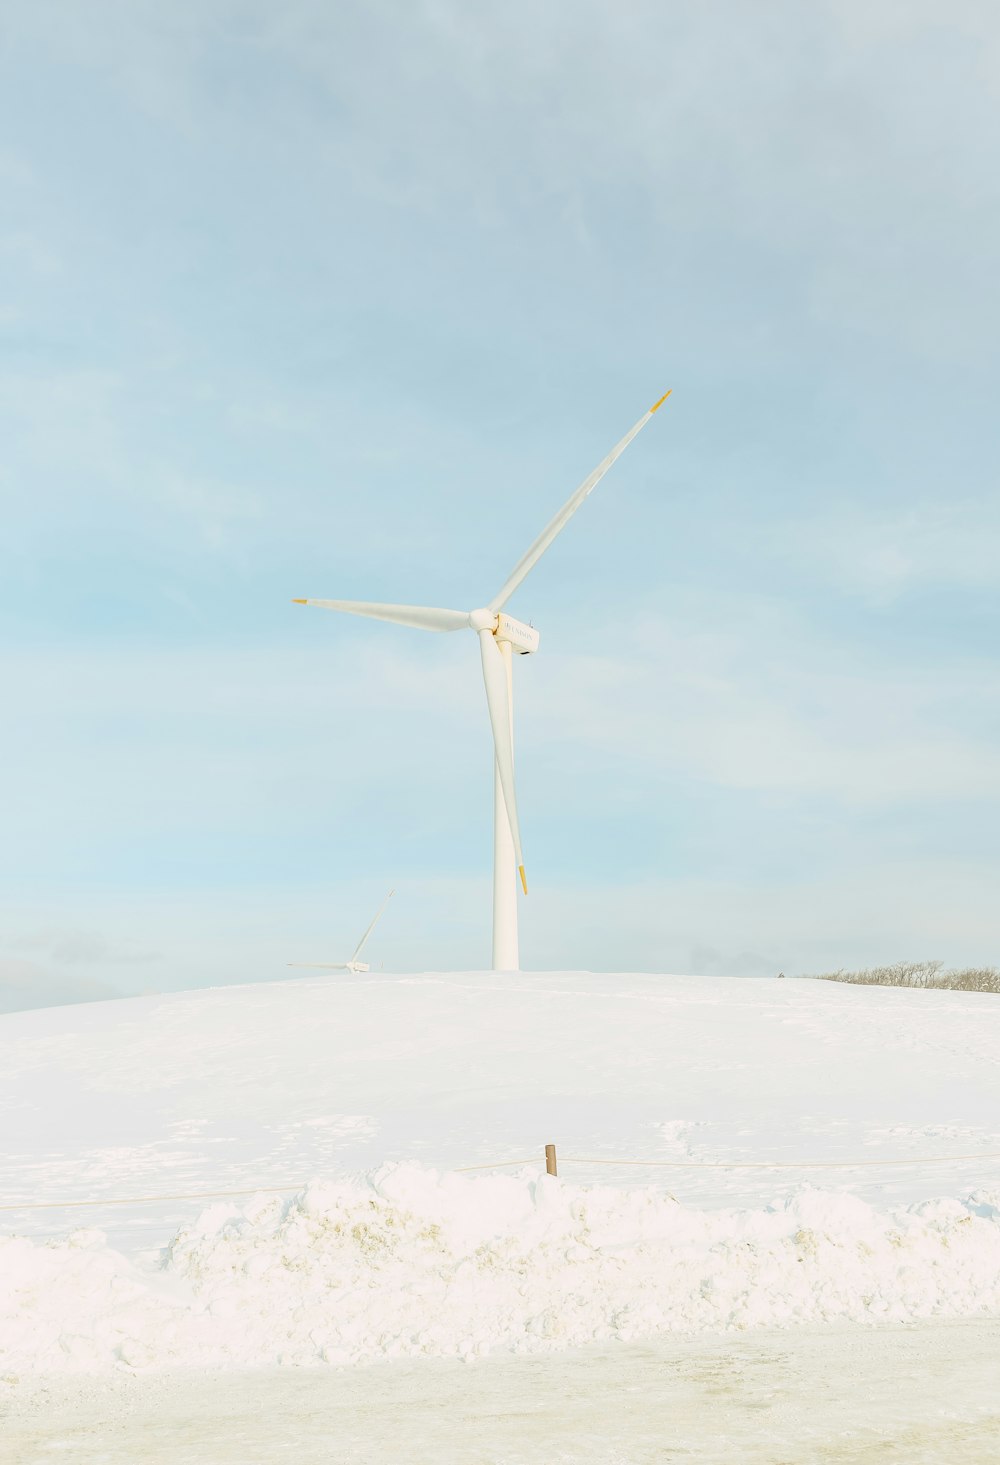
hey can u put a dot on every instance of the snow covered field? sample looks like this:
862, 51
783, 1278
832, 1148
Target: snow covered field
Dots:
362, 1094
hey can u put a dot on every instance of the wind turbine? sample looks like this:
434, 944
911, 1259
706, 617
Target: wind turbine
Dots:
354, 965
499, 636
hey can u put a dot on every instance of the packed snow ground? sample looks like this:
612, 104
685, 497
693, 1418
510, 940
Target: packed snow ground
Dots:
363, 1093
920, 1396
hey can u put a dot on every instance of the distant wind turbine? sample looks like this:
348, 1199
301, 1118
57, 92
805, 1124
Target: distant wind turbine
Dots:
354, 965
499, 636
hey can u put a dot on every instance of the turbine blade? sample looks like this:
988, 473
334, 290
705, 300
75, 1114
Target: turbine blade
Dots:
321, 966
426, 618
498, 701
378, 915
569, 508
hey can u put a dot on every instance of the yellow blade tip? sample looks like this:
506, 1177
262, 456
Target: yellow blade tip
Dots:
300, 602
524, 882
657, 405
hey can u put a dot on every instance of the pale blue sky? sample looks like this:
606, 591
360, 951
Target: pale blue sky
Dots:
344, 301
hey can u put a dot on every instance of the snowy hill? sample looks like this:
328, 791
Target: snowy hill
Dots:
360, 1095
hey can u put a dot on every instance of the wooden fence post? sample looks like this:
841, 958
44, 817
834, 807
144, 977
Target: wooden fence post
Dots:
550, 1160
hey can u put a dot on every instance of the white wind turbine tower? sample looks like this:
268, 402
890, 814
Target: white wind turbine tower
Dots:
354, 965
499, 636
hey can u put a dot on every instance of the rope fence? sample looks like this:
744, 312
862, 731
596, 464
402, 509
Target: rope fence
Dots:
781, 1164
548, 1159
146, 1200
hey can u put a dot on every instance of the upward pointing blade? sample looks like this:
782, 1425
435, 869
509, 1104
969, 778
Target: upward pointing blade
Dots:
378, 915
424, 617
569, 508
498, 701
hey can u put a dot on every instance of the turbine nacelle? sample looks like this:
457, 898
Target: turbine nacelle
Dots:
519, 637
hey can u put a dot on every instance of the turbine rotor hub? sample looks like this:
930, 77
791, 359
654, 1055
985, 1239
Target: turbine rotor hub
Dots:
483, 620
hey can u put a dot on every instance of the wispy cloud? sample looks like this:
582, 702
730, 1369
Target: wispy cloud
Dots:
27, 984
747, 696
953, 541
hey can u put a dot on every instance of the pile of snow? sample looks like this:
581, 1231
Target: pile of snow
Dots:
170, 1097
411, 1262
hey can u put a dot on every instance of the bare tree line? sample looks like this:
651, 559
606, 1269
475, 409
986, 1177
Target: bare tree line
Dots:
930, 974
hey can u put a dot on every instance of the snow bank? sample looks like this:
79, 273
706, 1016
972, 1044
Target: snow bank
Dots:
412, 1262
